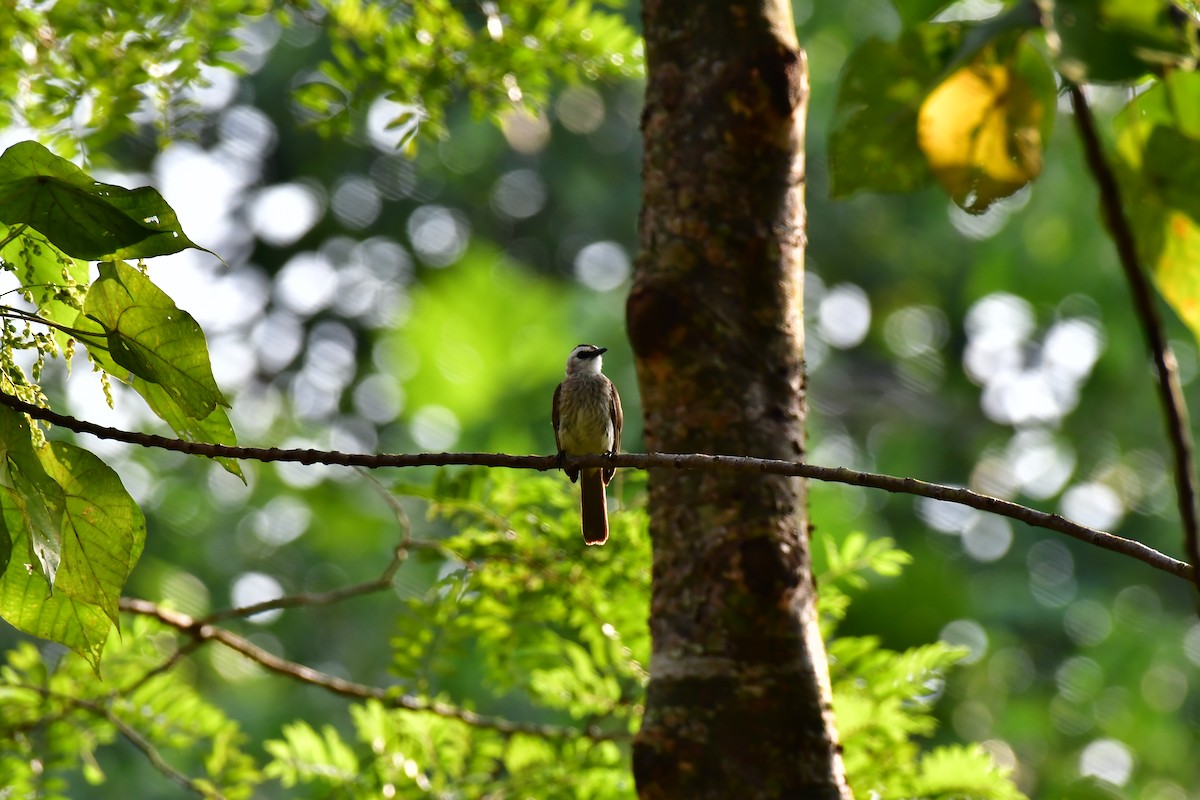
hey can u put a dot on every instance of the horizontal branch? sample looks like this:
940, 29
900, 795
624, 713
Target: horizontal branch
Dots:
391, 698
766, 466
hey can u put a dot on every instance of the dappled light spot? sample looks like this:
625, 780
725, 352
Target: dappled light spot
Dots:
185, 592
356, 202
1087, 623
1040, 463
1164, 688
282, 520
1191, 644
580, 109
216, 88
844, 316
1072, 347
518, 194
379, 398
944, 516
1108, 760
392, 125
251, 588
434, 428
281, 214
306, 284
1012, 669
914, 330
1051, 573
987, 538
1093, 504
1137, 608
277, 340
525, 133
247, 133
602, 266
438, 234
1079, 679
969, 634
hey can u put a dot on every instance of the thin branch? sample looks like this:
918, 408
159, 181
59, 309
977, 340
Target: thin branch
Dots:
1169, 389
313, 598
135, 738
132, 735
351, 689
12, 235
766, 466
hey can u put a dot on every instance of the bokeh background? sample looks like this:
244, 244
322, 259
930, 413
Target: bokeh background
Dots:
377, 298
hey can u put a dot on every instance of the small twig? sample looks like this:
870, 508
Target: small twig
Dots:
12, 235
1170, 391
312, 598
351, 689
141, 743
132, 735
167, 665
766, 466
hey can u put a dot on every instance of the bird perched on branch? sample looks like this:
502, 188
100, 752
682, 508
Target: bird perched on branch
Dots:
587, 420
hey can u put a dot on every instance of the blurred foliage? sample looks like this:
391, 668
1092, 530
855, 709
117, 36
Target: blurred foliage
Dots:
507, 618
970, 103
994, 350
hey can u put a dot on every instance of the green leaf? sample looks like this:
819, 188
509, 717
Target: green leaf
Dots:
82, 217
914, 11
6, 545
964, 772
1158, 165
153, 338
873, 139
84, 531
31, 494
53, 280
1119, 40
103, 529
213, 429
26, 604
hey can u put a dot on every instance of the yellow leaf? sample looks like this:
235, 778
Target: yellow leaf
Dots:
1177, 268
980, 130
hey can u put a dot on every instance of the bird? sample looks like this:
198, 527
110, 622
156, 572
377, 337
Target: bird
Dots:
587, 420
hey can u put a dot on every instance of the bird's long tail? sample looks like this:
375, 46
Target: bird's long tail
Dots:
593, 507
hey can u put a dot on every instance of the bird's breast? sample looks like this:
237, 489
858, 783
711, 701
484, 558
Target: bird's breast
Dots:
585, 415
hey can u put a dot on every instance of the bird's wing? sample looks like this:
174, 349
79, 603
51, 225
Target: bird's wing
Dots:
617, 416
554, 416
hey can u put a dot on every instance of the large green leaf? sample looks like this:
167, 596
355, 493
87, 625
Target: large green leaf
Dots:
914, 11
873, 140
1158, 144
152, 338
213, 429
103, 528
27, 605
102, 536
34, 497
82, 217
1119, 40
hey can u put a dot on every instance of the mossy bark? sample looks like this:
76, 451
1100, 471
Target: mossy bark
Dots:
739, 700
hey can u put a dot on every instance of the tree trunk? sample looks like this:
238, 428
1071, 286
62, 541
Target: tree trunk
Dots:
739, 699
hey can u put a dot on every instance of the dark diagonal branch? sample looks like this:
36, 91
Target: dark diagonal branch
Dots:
766, 466
1169, 389
132, 735
391, 698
